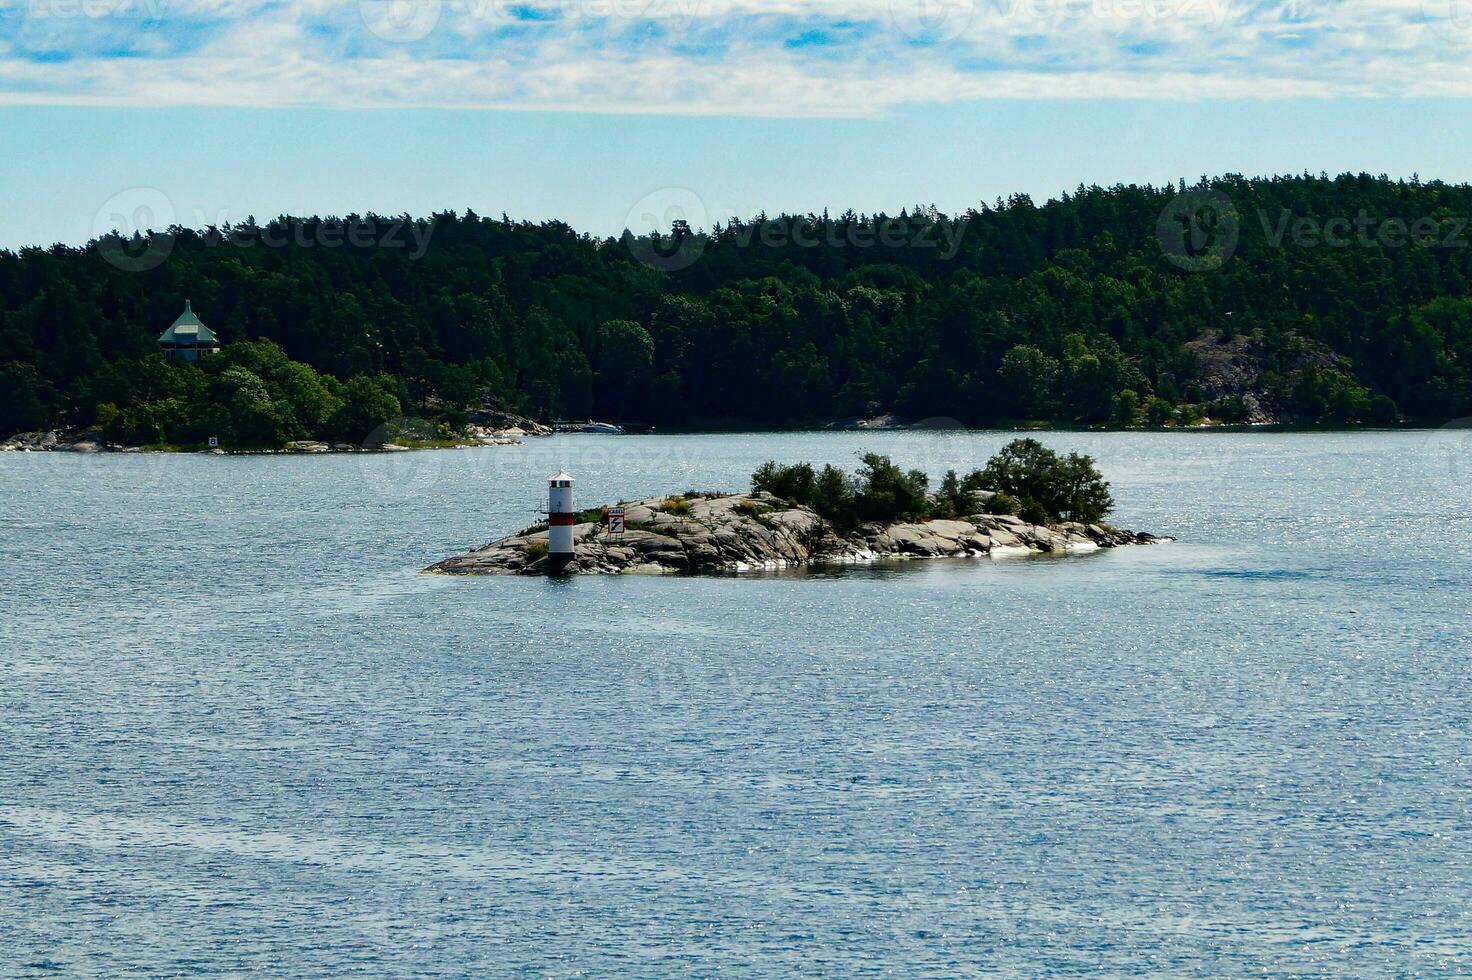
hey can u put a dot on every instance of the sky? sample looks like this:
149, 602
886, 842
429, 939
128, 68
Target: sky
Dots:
119, 114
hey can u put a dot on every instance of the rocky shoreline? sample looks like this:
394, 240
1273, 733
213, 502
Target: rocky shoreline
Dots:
487, 427
716, 533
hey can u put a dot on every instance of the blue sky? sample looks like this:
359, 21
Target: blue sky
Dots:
606, 112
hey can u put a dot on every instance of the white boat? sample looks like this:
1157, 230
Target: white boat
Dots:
607, 428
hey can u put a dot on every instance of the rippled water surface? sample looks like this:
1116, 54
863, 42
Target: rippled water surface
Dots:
241, 733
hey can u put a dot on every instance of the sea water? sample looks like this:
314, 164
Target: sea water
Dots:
241, 732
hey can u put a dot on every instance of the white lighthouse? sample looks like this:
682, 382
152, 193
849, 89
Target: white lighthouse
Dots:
560, 517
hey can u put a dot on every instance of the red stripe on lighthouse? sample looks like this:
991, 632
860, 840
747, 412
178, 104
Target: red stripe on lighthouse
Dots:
559, 520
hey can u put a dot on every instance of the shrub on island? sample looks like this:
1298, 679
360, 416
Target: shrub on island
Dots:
677, 505
1024, 478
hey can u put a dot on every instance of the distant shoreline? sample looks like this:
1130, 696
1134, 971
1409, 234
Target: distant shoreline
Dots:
85, 443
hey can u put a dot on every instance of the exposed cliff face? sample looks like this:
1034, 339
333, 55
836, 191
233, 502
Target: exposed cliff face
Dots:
738, 532
505, 424
1242, 367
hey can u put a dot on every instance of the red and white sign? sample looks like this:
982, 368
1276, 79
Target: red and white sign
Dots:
615, 520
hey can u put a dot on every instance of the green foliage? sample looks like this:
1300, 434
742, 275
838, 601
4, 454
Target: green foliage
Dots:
454, 421
1034, 512
1158, 411
25, 397
367, 405
951, 497
798, 482
678, 506
1025, 477
887, 493
1126, 408
243, 411
1046, 485
1232, 409
752, 509
1003, 504
535, 550
1187, 415
147, 424
1028, 376
1325, 393
249, 396
625, 361
879, 492
1052, 311
1080, 492
834, 494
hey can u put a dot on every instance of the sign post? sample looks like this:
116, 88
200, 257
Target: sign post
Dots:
615, 520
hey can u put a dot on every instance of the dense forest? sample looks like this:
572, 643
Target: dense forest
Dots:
1298, 299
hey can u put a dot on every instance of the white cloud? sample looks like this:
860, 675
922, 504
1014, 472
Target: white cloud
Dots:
777, 57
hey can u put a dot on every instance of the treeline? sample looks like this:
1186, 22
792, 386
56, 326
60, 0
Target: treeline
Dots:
252, 395
1070, 311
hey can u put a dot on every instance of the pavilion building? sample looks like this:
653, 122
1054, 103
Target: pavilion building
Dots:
188, 339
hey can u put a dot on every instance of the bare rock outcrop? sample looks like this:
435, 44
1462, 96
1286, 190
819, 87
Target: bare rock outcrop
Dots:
84, 440
740, 532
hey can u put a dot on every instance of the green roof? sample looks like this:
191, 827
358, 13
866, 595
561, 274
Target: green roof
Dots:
188, 330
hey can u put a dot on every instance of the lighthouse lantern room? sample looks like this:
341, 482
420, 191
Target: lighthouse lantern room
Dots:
560, 517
